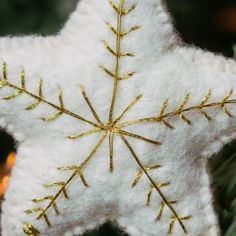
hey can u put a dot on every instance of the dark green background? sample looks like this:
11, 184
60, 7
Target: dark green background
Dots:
198, 23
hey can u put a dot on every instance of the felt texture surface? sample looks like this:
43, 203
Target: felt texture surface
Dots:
165, 68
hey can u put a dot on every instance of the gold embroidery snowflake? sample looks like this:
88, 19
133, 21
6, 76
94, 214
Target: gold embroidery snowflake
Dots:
112, 127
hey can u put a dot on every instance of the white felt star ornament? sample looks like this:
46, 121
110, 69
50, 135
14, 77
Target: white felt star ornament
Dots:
127, 56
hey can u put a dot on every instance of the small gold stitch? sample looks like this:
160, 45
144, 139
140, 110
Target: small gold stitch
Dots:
122, 34
4, 71
52, 117
18, 93
77, 169
206, 98
42, 214
126, 133
226, 111
58, 184
90, 104
40, 93
30, 230
127, 76
12, 96
121, 54
30, 211
111, 144
131, 104
204, 101
22, 78
167, 124
163, 109
2, 83
173, 220
107, 71
129, 10
164, 106
226, 98
57, 115
140, 173
47, 198
163, 204
180, 110
80, 135
151, 188
123, 12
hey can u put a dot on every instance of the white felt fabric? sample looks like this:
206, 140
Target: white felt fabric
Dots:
164, 69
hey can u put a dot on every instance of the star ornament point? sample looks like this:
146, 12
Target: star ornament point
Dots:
166, 174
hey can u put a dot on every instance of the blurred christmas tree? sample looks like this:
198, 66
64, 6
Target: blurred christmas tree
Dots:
209, 24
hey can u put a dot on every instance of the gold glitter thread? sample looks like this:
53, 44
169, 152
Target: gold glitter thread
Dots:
22, 90
89, 104
77, 171
124, 77
48, 198
174, 219
30, 230
4, 71
116, 75
112, 127
180, 111
153, 182
163, 204
117, 52
204, 101
226, 98
131, 104
111, 145
80, 135
139, 137
140, 174
75, 168
118, 10
41, 210
122, 54
122, 34
55, 116
40, 94
58, 184
151, 188
182, 105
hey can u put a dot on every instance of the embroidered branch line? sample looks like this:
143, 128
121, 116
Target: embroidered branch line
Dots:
38, 97
109, 129
181, 111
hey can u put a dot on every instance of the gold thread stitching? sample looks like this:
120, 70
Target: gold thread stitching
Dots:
163, 204
140, 173
121, 54
5, 83
181, 110
111, 127
62, 189
151, 188
137, 160
111, 145
173, 220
